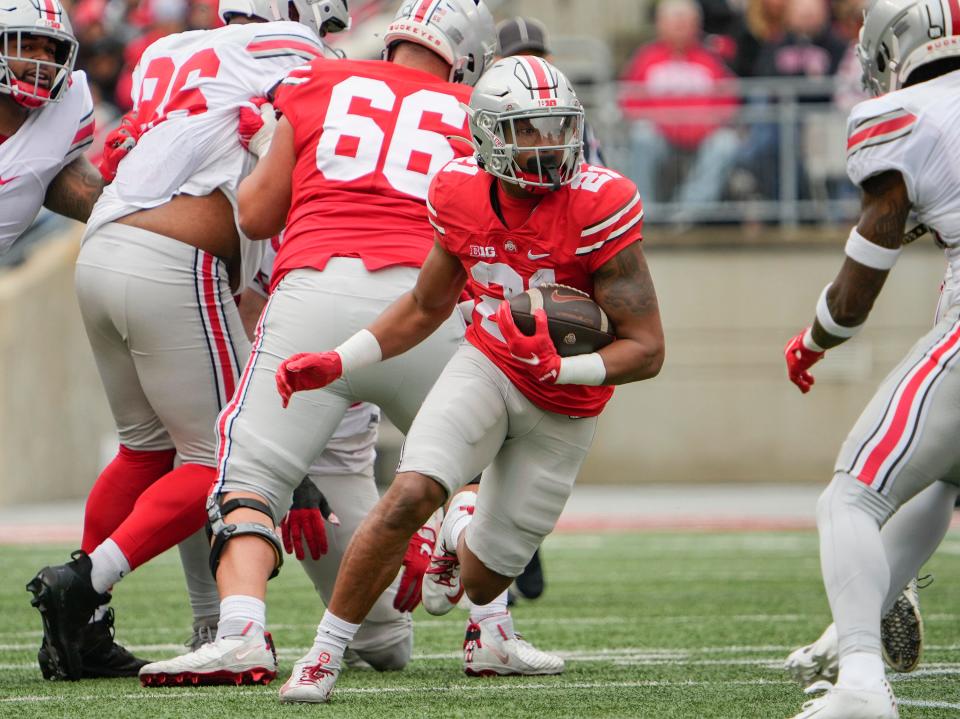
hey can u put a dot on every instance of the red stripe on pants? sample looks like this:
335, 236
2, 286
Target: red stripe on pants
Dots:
221, 348
897, 427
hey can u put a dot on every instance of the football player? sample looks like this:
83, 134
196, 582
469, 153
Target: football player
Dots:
159, 264
525, 212
901, 150
46, 119
346, 178
344, 475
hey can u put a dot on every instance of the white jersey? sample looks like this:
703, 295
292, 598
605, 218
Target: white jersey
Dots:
352, 448
51, 138
915, 132
187, 91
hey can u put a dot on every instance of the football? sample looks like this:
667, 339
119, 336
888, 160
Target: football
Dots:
577, 324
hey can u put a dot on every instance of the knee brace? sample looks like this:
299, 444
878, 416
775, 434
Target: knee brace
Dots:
221, 532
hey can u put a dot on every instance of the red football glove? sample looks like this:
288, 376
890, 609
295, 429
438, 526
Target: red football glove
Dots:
415, 562
799, 360
258, 120
118, 143
305, 521
307, 370
536, 351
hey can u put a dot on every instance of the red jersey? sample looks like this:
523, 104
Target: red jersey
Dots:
567, 237
369, 136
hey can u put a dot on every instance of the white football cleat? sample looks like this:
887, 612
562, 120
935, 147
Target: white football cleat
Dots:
901, 631
441, 589
312, 679
840, 703
492, 648
231, 660
816, 662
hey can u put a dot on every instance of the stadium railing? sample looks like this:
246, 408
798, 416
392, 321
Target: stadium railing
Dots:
788, 164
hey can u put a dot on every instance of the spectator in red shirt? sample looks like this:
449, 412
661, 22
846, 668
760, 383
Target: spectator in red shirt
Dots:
677, 103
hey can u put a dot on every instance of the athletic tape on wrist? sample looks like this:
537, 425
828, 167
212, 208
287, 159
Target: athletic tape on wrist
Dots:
809, 343
361, 350
582, 369
860, 249
828, 323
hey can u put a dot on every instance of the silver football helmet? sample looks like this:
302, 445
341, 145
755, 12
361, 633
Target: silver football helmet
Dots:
460, 31
527, 123
898, 36
20, 19
322, 16
269, 10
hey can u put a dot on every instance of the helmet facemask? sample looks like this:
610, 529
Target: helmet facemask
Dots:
535, 149
30, 93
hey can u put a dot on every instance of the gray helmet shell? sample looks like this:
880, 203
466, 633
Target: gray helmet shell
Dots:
898, 36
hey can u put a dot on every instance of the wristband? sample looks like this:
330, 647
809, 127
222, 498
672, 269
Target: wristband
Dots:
582, 369
361, 350
870, 254
260, 144
828, 323
809, 343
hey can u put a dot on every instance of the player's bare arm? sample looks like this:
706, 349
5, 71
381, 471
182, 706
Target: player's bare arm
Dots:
414, 316
883, 218
75, 190
264, 195
624, 289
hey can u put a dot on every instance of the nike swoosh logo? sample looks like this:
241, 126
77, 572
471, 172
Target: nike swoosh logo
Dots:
531, 360
504, 658
456, 597
244, 655
9, 179
426, 549
532, 256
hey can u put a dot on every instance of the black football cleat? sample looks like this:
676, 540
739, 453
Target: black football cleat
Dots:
101, 656
530, 584
66, 600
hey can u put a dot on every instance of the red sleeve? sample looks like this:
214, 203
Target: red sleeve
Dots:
615, 221
439, 231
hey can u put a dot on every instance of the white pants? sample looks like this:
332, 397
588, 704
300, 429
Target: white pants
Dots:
166, 336
906, 438
266, 449
475, 418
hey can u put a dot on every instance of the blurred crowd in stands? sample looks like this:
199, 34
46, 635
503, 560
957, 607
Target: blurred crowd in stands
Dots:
702, 97
702, 127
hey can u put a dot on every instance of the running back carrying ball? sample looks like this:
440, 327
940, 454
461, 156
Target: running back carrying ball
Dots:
577, 324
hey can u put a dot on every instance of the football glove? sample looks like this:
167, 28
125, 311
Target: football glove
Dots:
800, 359
415, 562
305, 520
535, 351
118, 143
307, 370
258, 120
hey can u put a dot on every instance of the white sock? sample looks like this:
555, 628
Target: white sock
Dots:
240, 615
99, 613
333, 636
861, 670
459, 514
497, 607
109, 565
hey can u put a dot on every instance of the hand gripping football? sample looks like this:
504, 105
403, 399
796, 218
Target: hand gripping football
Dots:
577, 324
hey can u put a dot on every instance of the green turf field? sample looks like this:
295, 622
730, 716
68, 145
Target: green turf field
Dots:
652, 625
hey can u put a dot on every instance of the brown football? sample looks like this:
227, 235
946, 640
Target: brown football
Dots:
577, 324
